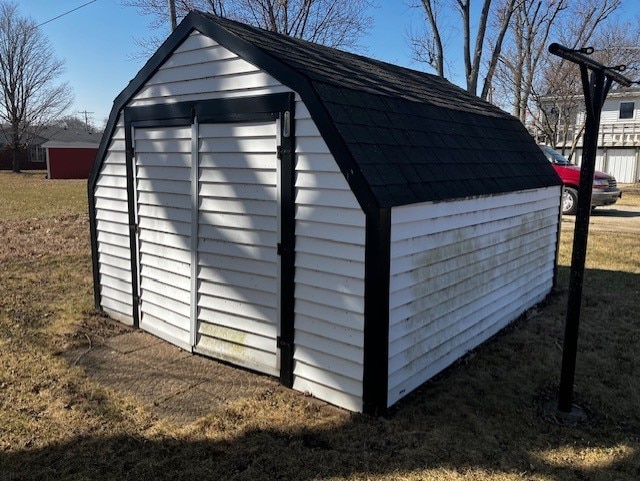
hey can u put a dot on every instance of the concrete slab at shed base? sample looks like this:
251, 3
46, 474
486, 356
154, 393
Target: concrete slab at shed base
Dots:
174, 384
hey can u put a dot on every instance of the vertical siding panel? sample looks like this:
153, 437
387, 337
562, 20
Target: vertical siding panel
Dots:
114, 257
460, 271
237, 259
329, 295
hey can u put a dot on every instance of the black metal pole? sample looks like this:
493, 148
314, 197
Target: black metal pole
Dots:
593, 91
595, 88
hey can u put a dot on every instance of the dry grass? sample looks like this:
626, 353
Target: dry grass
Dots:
480, 420
630, 194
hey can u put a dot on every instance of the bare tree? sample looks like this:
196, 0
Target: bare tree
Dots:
475, 44
543, 90
29, 95
335, 23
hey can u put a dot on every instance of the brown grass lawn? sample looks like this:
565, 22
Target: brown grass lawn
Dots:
480, 420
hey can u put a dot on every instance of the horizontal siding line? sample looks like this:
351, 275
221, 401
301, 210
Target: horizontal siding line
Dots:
169, 76
115, 193
164, 226
422, 331
221, 290
401, 231
321, 180
335, 397
338, 284
116, 294
112, 251
160, 246
250, 358
327, 362
238, 236
328, 379
464, 292
165, 309
166, 276
163, 287
470, 337
115, 228
237, 206
351, 338
253, 252
405, 271
246, 81
460, 252
122, 263
116, 272
112, 304
240, 264
467, 289
113, 239
416, 212
330, 216
330, 265
201, 71
250, 311
165, 330
179, 268
328, 314
330, 346
268, 223
318, 295
454, 279
412, 382
344, 234
163, 187
116, 283
490, 230
249, 280
168, 294
347, 252
242, 339
232, 321
205, 94
327, 198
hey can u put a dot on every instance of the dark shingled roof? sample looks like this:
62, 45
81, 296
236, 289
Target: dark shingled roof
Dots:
414, 136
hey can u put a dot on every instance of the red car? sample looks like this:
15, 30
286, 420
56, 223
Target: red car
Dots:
605, 188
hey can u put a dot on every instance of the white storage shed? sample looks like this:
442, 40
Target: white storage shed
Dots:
348, 225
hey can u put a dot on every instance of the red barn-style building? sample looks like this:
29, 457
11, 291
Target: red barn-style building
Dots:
70, 154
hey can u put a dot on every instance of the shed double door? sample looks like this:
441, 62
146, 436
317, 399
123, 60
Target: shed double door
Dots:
207, 204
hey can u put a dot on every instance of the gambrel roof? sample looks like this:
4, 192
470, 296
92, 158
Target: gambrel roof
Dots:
398, 135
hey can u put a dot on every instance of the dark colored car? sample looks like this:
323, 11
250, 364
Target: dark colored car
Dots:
605, 188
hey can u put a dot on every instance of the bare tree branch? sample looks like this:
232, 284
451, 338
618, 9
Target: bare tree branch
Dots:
29, 95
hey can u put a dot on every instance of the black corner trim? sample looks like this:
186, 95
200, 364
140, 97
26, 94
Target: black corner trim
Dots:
93, 234
287, 243
131, 206
376, 312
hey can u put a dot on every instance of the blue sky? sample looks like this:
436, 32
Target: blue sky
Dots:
97, 43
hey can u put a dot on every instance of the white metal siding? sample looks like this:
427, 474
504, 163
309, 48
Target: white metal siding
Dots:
329, 276
112, 226
163, 188
329, 268
202, 69
623, 164
238, 234
460, 271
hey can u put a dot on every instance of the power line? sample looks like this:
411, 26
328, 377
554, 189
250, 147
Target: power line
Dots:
66, 13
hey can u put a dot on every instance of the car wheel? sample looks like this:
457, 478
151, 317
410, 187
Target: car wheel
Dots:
569, 201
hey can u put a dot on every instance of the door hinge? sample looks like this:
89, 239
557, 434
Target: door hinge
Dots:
281, 151
282, 344
281, 249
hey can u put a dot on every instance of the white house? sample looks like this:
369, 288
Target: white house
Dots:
619, 137
348, 225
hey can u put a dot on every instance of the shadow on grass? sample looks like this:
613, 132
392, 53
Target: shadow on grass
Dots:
479, 419
617, 212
